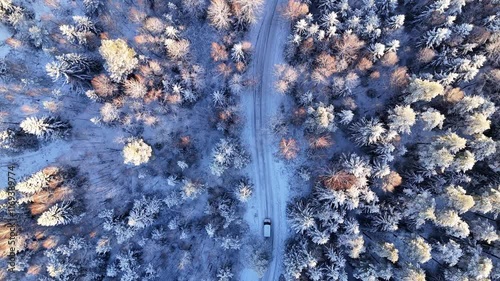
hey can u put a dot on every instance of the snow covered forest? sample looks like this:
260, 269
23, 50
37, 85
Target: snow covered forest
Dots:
149, 140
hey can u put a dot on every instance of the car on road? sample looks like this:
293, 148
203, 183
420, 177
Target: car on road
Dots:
267, 228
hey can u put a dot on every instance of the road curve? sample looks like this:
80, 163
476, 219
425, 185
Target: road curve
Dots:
271, 187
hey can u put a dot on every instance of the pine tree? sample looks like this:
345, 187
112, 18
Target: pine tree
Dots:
194, 7
244, 191
219, 14
91, 6
482, 146
191, 189
135, 88
423, 90
72, 67
484, 231
488, 202
464, 161
401, 118
450, 141
420, 207
389, 251
143, 212
457, 199
33, 184
435, 37
136, 152
449, 253
120, 58
109, 112
367, 131
411, 273
58, 214
301, 216
432, 119
45, 127
321, 119
418, 250
377, 50
177, 49
224, 274
396, 21
248, 10
476, 123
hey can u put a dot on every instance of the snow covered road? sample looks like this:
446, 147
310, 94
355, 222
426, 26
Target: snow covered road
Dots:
271, 185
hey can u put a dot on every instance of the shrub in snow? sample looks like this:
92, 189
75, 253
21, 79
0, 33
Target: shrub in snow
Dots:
137, 152
58, 214
401, 118
423, 90
417, 250
45, 127
36, 35
120, 58
8, 140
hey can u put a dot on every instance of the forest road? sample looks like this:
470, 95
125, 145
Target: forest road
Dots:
271, 188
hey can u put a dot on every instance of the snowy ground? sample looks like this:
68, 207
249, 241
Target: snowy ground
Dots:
271, 182
4, 34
